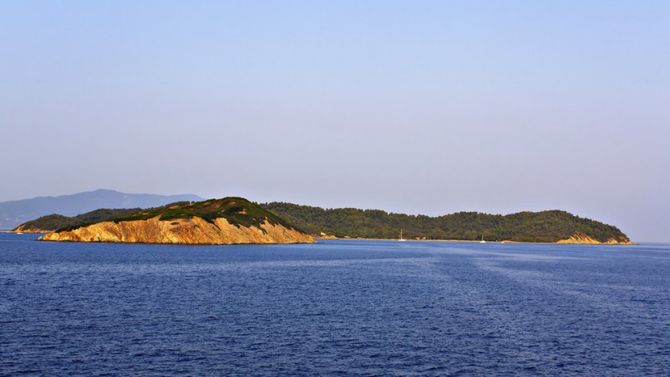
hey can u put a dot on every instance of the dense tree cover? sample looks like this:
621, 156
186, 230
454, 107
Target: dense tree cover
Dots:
545, 226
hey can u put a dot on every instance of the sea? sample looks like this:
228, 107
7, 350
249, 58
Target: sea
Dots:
334, 308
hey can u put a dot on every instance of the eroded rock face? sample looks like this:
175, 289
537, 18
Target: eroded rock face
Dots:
27, 229
181, 231
581, 238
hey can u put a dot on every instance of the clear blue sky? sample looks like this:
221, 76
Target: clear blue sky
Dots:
414, 106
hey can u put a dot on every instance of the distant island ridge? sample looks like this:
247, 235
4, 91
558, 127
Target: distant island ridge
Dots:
195, 222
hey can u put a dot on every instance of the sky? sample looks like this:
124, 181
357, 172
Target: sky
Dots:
423, 107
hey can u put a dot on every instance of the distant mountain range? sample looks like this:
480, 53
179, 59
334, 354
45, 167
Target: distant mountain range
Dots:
15, 212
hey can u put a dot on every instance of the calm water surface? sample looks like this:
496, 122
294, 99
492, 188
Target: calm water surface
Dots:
334, 308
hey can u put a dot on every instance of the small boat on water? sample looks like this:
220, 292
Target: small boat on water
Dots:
482, 241
401, 239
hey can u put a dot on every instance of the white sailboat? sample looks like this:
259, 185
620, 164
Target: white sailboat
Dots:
482, 241
401, 239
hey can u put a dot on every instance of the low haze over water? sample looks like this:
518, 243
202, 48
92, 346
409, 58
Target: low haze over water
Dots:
348, 307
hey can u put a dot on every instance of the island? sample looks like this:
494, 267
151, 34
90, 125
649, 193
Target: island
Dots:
237, 220
212, 222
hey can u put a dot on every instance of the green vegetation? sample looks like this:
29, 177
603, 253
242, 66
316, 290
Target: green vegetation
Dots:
56, 221
545, 226
237, 211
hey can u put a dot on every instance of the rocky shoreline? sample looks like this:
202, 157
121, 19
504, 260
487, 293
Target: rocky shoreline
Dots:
192, 231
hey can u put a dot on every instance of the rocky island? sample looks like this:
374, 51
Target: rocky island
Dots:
237, 220
215, 221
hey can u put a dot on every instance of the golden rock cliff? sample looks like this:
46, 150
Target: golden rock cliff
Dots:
581, 238
194, 230
27, 229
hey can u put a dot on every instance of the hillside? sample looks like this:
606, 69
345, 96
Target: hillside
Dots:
54, 222
13, 213
216, 221
545, 226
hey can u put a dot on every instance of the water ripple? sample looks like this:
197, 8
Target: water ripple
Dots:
335, 308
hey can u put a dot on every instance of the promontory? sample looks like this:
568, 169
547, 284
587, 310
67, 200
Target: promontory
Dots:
217, 221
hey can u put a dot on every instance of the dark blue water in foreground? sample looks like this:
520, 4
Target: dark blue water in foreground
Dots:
339, 307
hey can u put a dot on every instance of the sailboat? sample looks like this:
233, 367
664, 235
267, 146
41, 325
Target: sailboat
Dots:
401, 239
482, 241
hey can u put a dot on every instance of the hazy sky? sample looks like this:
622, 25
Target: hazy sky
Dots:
414, 106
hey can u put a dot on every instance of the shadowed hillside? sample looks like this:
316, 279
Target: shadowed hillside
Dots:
55, 221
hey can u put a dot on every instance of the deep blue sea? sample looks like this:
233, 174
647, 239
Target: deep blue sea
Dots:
333, 308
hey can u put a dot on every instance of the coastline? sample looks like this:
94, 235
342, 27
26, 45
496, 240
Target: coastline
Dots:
474, 241
347, 239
